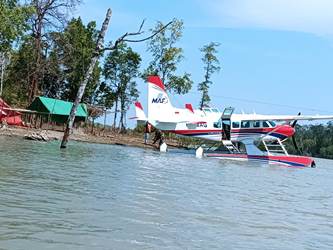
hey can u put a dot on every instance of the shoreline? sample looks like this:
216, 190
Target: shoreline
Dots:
111, 138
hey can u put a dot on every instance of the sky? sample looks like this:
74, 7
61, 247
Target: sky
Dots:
276, 55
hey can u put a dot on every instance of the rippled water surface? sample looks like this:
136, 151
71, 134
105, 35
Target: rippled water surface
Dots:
111, 197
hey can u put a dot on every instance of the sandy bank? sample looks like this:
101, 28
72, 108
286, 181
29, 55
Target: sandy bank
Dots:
110, 138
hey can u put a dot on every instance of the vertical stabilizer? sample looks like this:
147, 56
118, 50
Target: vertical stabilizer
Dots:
159, 105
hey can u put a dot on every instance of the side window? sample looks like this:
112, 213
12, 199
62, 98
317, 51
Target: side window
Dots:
245, 124
235, 124
256, 124
265, 124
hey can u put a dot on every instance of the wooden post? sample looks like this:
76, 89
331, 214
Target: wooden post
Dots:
96, 55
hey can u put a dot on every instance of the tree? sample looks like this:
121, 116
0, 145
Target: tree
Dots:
166, 56
13, 23
17, 83
211, 65
53, 83
49, 14
73, 49
121, 66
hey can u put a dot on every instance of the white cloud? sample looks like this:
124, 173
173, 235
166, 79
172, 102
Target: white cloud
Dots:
312, 16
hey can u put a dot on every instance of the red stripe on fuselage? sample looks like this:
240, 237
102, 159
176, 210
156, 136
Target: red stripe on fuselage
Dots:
194, 131
284, 130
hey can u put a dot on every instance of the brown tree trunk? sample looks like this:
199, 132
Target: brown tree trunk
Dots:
122, 116
105, 110
115, 114
96, 55
37, 68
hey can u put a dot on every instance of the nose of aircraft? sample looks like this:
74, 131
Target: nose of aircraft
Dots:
286, 130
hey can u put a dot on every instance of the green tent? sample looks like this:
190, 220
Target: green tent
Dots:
57, 110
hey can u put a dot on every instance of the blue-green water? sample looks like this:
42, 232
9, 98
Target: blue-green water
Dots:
111, 197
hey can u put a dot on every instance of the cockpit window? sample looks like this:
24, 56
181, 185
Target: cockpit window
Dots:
272, 123
207, 110
215, 110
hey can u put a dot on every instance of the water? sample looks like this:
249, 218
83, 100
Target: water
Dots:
111, 197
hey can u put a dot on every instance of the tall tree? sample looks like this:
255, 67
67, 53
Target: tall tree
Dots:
17, 83
166, 57
49, 15
121, 66
73, 48
211, 65
53, 82
14, 17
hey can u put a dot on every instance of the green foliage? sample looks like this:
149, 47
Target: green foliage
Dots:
73, 48
120, 68
166, 57
315, 140
64, 65
211, 65
13, 22
16, 86
104, 96
54, 80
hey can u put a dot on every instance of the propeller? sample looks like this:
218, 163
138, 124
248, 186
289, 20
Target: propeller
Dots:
293, 125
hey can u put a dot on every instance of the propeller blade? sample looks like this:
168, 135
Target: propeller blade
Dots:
295, 145
294, 122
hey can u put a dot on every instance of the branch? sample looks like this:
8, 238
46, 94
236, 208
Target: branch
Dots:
139, 32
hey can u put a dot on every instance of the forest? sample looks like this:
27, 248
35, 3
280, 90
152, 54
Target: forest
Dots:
45, 51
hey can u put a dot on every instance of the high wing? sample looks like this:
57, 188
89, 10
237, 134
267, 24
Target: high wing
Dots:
287, 118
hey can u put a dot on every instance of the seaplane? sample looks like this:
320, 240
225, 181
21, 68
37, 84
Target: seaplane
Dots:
242, 137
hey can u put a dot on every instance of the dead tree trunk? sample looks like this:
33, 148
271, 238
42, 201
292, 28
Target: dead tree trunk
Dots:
96, 55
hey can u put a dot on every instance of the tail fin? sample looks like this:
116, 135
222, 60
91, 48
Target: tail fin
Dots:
159, 105
140, 115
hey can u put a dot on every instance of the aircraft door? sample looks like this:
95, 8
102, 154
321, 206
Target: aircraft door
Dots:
226, 123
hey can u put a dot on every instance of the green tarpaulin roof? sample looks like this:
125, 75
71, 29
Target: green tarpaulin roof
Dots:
56, 107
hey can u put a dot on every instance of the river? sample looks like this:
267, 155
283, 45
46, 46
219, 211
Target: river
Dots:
93, 196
